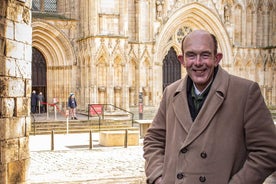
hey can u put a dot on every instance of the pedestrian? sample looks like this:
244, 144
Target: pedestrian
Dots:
72, 104
33, 101
211, 126
40, 100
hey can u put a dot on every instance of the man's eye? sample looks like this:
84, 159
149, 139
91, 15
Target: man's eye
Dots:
191, 56
206, 55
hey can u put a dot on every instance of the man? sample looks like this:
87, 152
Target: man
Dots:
40, 99
33, 101
211, 127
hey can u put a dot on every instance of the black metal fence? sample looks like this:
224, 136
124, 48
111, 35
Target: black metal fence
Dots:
101, 110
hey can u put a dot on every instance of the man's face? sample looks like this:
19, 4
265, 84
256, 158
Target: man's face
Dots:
199, 58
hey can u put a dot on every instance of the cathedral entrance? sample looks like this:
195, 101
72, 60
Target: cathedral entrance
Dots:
39, 82
171, 68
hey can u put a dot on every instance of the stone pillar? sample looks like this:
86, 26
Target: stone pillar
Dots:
132, 95
15, 89
123, 25
117, 96
146, 95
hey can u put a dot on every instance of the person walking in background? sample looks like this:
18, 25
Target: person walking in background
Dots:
40, 100
33, 102
211, 127
72, 104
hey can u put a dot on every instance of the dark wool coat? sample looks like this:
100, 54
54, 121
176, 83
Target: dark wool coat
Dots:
72, 103
33, 99
231, 141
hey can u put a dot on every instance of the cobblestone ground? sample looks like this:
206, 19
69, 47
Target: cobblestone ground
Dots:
97, 166
73, 162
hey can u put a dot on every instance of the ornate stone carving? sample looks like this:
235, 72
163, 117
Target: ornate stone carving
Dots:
181, 32
26, 16
117, 88
102, 88
131, 88
159, 9
227, 13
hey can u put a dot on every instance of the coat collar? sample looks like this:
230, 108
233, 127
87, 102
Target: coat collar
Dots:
212, 103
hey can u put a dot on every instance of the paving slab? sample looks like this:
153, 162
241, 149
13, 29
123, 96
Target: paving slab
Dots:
72, 161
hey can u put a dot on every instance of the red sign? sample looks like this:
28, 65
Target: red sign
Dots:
96, 108
140, 107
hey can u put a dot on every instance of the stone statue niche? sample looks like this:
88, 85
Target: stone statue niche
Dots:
227, 13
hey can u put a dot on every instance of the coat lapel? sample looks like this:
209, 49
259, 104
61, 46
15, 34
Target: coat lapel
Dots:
212, 103
206, 114
181, 109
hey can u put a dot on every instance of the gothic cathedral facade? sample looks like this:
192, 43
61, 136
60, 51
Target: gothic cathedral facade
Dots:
110, 51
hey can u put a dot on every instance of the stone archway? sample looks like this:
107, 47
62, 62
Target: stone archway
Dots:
60, 59
194, 16
39, 82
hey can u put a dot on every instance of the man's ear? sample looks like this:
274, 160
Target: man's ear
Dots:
218, 58
180, 59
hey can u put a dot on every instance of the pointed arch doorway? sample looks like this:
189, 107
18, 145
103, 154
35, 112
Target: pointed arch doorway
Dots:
39, 80
171, 68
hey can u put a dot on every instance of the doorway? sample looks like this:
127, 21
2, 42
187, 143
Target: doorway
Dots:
171, 68
39, 71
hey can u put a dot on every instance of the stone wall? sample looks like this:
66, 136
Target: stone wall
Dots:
15, 89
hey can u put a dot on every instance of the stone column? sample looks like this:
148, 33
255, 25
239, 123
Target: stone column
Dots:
146, 95
117, 96
123, 24
273, 93
15, 89
132, 95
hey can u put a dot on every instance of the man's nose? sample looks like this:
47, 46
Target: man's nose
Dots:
198, 60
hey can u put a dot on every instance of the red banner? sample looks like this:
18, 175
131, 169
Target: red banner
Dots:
96, 108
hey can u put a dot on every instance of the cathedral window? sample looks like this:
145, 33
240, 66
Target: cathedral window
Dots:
44, 5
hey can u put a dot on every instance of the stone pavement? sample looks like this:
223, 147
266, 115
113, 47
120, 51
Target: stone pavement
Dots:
73, 162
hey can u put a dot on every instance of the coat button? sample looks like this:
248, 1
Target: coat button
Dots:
202, 179
184, 150
203, 155
180, 176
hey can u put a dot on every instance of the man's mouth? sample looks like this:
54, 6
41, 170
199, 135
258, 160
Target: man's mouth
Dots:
199, 71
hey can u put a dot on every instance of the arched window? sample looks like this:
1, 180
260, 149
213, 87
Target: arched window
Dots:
249, 25
44, 5
238, 25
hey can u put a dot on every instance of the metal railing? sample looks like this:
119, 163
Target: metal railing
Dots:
100, 111
41, 105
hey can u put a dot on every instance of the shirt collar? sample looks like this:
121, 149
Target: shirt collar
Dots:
197, 92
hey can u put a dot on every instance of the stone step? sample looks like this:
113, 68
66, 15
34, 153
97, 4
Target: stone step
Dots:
81, 122
77, 126
84, 130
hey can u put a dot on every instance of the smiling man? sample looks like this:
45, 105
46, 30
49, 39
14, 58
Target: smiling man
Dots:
211, 127
201, 58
